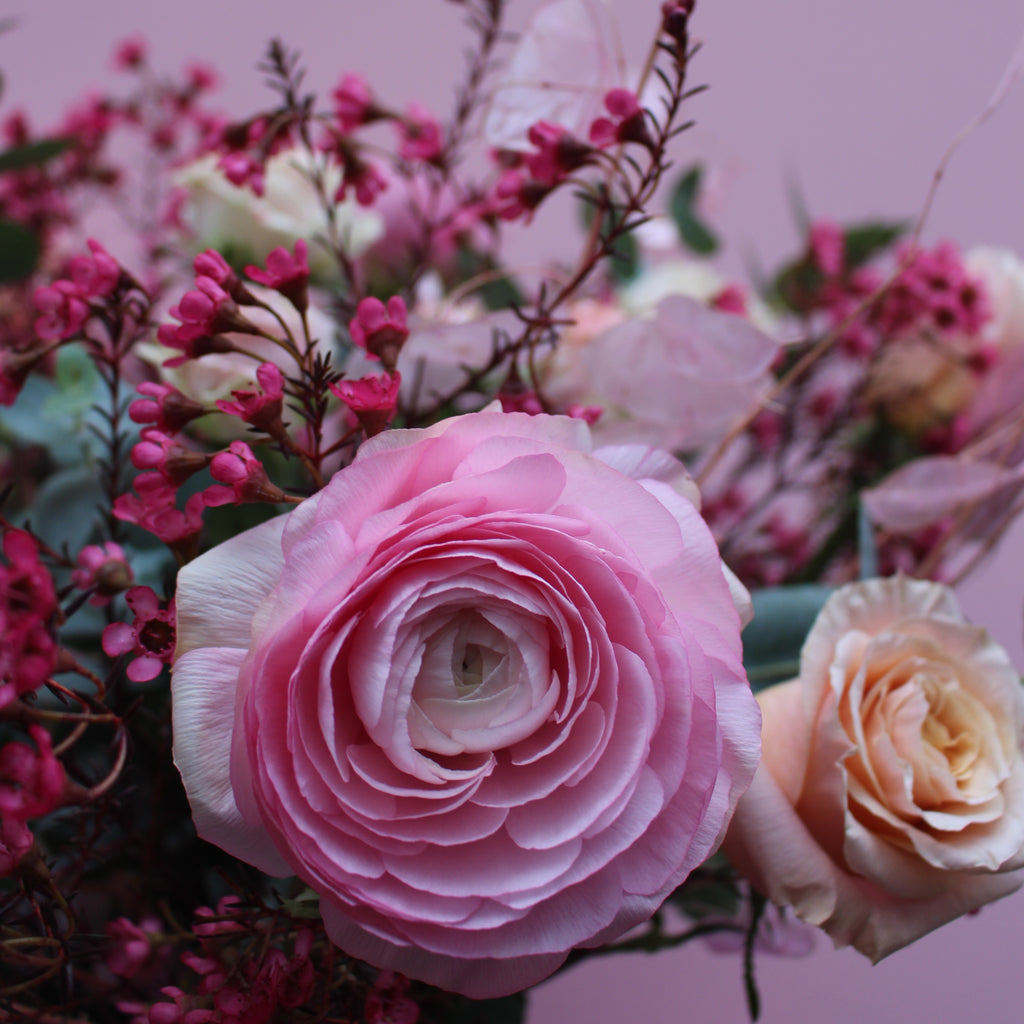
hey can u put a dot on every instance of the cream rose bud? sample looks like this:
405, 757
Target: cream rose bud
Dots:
890, 797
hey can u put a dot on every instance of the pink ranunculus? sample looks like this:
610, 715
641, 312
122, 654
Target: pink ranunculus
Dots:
890, 798
483, 693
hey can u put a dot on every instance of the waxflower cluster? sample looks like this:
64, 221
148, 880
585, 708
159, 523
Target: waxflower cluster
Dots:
448, 621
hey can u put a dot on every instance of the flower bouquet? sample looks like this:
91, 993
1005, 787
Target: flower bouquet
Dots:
382, 620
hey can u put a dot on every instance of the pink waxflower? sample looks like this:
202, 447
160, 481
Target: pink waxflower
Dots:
103, 569
628, 123
16, 840
244, 169
353, 102
154, 508
245, 476
420, 136
373, 399
286, 274
130, 54
364, 179
164, 455
558, 153
150, 637
31, 779
212, 264
261, 409
63, 310
381, 330
204, 314
28, 605
209, 922
531, 663
95, 276
131, 948
164, 407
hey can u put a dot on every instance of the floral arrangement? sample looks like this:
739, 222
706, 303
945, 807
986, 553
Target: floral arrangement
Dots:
382, 622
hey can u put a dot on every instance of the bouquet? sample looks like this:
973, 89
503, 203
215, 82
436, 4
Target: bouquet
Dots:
387, 626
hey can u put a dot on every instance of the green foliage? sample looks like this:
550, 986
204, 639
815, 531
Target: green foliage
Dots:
782, 618
696, 235
865, 241
19, 252
624, 259
32, 154
499, 293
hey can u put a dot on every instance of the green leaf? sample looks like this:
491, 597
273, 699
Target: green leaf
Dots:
864, 241
783, 617
459, 1010
696, 235
624, 258
65, 509
32, 154
19, 251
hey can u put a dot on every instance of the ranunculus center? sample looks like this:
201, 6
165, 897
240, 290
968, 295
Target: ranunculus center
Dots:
473, 666
484, 681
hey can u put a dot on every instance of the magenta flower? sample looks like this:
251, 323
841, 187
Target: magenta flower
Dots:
154, 508
245, 476
28, 603
420, 135
204, 313
261, 409
381, 330
164, 407
63, 311
373, 399
104, 569
353, 102
558, 153
286, 274
628, 122
95, 276
31, 779
150, 637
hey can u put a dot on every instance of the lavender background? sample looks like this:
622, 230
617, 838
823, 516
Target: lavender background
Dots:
854, 101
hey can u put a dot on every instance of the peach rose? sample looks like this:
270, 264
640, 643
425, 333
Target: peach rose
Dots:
890, 798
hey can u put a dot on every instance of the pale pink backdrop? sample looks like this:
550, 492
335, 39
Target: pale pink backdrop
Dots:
852, 102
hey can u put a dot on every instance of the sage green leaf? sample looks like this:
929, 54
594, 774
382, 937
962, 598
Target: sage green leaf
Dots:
772, 642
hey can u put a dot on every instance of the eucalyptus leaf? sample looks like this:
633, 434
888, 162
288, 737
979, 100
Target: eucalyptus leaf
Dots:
19, 251
772, 642
65, 508
55, 412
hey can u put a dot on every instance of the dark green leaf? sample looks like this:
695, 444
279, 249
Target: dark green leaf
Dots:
32, 154
686, 191
19, 251
500, 293
863, 242
65, 508
782, 618
697, 236
507, 1010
